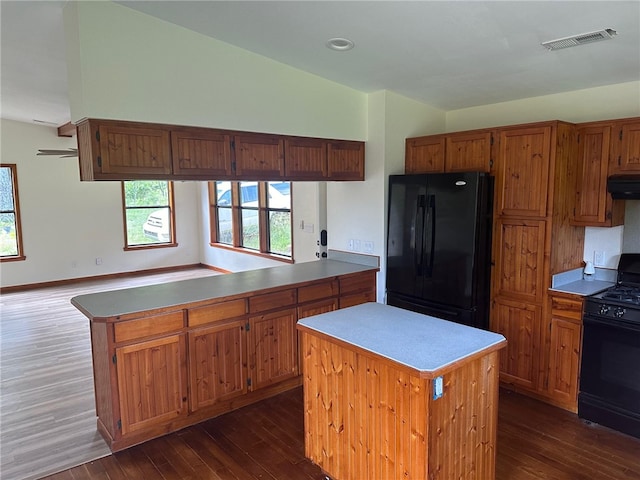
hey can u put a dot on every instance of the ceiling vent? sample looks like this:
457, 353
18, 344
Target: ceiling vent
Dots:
583, 38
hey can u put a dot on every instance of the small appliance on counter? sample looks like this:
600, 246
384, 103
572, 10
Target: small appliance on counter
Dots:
589, 272
610, 370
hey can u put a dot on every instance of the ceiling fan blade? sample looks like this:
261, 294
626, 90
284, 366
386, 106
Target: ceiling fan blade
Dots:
71, 152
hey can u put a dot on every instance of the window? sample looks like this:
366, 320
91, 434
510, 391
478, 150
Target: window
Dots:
254, 217
11, 232
148, 214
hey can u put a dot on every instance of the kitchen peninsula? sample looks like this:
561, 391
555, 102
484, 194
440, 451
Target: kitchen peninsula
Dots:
170, 355
390, 393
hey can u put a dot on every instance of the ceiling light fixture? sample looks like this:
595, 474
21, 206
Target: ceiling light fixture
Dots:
581, 39
340, 44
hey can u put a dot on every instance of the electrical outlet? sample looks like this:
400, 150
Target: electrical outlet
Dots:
598, 258
367, 247
98, 261
356, 245
351, 244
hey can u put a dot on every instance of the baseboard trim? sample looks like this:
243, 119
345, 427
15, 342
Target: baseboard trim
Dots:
55, 283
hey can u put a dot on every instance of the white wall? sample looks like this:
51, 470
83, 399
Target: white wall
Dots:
602, 103
67, 223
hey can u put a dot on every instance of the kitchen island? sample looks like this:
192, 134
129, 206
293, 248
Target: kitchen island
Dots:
390, 393
170, 355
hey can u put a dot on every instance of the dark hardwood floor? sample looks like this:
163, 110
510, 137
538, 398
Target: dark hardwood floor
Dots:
265, 441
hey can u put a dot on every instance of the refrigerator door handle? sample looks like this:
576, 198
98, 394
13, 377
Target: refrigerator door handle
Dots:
431, 215
418, 234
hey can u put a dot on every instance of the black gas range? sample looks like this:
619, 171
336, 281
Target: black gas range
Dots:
610, 368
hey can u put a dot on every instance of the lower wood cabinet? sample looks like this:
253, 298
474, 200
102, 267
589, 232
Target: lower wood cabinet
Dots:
152, 382
273, 344
217, 363
155, 373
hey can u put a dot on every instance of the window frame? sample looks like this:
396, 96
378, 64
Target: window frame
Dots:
236, 221
13, 168
170, 206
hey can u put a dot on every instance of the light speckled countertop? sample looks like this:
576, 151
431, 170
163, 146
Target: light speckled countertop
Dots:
420, 342
573, 282
97, 306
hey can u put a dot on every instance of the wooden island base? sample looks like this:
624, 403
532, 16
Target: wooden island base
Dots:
367, 416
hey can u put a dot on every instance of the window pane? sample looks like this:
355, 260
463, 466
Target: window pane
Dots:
279, 195
146, 193
223, 193
146, 226
8, 239
250, 233
280, 233
248, 194
225, 226
6, 190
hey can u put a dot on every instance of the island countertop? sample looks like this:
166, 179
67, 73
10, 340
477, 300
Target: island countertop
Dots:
425, 344
116, 303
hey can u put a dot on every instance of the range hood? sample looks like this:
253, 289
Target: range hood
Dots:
624, 186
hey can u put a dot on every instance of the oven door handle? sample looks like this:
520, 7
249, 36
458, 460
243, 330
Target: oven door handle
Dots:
611, 323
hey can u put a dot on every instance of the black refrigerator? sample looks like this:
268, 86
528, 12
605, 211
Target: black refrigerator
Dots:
439, 245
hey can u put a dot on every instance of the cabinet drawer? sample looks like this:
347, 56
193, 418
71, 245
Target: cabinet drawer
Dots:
219, 311
566, 307
146, 327
357, 299
269, 301
317, 291
356, 283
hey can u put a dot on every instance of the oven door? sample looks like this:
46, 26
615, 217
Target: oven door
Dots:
610, 373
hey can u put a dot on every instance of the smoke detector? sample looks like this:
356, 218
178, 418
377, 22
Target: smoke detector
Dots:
581, 39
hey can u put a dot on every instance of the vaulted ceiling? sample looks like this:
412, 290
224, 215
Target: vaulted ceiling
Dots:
448, 54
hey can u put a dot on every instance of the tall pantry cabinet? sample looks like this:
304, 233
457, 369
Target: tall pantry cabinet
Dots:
536, 175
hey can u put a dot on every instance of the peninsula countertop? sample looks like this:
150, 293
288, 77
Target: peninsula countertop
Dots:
115, 303
425, 344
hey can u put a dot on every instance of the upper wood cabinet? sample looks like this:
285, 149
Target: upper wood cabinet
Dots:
201, 152
305, 158
425, 154
120, 150
345, 160
594, 205
625, 147
259, 156
115, 149
455, 152
523, 176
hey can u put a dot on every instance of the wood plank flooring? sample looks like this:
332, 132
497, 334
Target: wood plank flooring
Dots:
48, 422
47, 409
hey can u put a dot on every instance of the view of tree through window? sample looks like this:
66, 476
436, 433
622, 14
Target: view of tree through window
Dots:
148, 212
10, 236
253, 216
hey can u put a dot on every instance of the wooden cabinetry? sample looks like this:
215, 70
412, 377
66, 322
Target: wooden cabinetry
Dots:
456, 152
625, 151
565, 342
161, 370
121, 150
533, 239
201, 152
594, 205
345, 160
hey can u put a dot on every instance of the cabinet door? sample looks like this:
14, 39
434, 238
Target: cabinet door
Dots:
424, 154
564, 361
305, 158
202, 153
273, 348
626, 148
520, 325
152, 382
468, 152
520, 259
345, 160
131, 150
594, 206
259, 157
523, 174
217, 363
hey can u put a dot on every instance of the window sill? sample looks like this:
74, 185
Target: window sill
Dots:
270, 256
17, 258
150, 246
